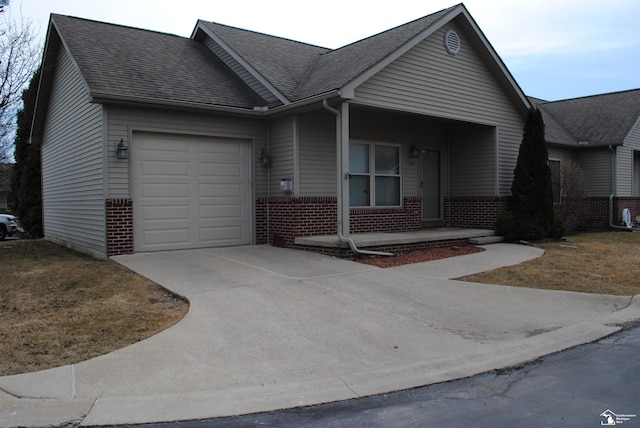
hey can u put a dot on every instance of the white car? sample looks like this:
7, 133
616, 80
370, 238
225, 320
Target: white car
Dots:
8, 226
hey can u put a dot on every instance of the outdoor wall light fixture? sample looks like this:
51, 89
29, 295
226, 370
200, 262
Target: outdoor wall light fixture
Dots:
413, 151
264, 158
122, 150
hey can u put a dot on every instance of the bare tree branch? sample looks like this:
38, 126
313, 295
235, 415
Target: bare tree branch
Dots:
19, 58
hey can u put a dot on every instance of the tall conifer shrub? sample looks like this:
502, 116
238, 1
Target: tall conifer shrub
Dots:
26, 183
531, 213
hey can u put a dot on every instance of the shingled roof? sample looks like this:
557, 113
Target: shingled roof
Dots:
594, 120
553, 132
299, 70
223, 67
117, 60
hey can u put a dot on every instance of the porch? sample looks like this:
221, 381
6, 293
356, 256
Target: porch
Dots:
396, 241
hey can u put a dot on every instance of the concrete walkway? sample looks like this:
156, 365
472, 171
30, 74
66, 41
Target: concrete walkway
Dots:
271, 328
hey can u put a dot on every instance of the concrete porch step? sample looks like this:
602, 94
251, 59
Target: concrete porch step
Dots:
395, 238
484, 240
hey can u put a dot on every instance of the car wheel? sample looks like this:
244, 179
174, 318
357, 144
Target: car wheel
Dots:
3, 233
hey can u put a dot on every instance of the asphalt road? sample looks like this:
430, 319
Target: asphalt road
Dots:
574, 388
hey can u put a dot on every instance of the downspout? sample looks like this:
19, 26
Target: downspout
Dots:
614, 174
340, 176
268, 179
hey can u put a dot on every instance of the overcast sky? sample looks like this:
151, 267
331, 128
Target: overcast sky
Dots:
555, 49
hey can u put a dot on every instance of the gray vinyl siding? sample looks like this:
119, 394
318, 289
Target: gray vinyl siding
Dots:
317, 146
633, 143
238, 69
472, 160
562, 154
72, 163
123, 121
384, 127
596, 165
317, 134
427, 80
281, 143
624, 170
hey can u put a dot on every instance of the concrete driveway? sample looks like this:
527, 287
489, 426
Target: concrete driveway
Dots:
272, 328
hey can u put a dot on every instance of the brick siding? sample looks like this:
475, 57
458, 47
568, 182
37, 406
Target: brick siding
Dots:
119, 226
288, 218
478, 212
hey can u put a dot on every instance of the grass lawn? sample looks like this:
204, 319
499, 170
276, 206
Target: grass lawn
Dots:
605, 263
59, 307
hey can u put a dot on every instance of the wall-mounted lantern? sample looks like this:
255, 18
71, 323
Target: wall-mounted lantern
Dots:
413, 151
122, 150
264, 158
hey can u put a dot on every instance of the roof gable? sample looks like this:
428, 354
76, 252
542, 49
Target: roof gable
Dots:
300, 71
598, 119
282, 63
337, 68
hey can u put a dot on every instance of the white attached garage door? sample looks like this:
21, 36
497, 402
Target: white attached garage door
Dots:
189, 192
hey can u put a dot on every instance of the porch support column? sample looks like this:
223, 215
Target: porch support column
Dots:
343, 174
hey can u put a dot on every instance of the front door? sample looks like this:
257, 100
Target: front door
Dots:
430, 183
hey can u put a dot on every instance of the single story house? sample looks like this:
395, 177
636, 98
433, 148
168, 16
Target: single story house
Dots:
601, 134
152, 141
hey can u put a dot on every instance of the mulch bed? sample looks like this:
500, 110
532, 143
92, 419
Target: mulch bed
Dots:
419, 256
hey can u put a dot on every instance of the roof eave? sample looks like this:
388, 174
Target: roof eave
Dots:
107, 98
333, 93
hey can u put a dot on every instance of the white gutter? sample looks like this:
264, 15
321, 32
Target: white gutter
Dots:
342, 177
106, 98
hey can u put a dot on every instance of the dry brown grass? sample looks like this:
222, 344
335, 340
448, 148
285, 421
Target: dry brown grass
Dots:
59, 307
604, 263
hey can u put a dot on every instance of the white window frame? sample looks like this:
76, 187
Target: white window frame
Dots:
372, 174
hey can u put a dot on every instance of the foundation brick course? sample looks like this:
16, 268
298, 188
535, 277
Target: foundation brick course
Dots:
475, 212
119, 213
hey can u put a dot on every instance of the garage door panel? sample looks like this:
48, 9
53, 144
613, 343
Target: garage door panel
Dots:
164, 190
221, 234
166, 213
223, 170
221, 191
226, 212
173, 237
162, 143
222, 149
189, 192
164, 168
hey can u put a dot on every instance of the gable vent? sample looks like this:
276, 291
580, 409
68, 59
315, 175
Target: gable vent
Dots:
452, 42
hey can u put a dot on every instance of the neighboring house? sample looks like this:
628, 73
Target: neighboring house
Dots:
235, 137
601, 134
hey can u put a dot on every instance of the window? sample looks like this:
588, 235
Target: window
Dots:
374, 175
556, 179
